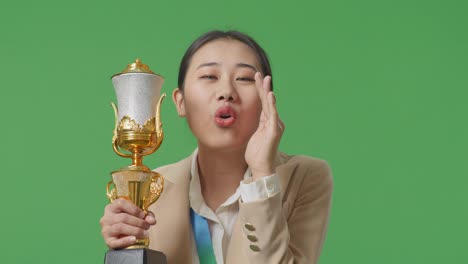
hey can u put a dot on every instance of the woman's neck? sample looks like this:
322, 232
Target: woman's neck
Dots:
220, 172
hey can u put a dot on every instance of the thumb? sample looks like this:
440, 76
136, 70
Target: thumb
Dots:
150, 219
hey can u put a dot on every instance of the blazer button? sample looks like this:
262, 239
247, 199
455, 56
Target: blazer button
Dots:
250, 227
252, 238
254, 248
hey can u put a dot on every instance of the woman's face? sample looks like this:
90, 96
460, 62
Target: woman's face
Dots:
220, 100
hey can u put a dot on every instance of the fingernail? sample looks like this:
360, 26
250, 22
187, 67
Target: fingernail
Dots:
146, 233
132, 239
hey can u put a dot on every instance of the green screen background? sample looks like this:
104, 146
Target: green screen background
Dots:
377, 88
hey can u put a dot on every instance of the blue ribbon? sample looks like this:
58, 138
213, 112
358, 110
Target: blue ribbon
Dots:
201, 233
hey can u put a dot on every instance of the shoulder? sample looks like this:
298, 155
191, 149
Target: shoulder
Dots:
306, 164
174, 166
308, 174
176, 172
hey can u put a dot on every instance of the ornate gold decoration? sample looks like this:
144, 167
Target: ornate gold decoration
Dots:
136, 190
136, 67
156, 187
111, 192
127, 123
139, 140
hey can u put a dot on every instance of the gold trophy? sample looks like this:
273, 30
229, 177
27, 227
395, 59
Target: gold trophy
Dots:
137, 133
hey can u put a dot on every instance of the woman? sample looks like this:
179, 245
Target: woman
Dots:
258, 205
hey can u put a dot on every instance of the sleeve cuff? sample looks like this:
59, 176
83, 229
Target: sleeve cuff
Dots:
262, 188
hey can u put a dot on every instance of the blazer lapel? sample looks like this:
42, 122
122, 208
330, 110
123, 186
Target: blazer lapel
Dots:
172, 233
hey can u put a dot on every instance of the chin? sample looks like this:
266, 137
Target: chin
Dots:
226, 139
223, 143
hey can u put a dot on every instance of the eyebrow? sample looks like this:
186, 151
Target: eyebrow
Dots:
240, 65
208, 64
245, 65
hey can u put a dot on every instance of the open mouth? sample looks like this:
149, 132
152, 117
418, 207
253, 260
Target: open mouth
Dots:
225, 116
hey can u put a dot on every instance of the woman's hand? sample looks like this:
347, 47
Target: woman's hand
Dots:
263, 145
123, 222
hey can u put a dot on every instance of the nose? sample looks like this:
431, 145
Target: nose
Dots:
226, 98
227, 92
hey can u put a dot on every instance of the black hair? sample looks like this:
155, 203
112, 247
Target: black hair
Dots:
218, 34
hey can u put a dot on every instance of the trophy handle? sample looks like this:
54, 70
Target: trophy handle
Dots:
116, 116
156, 188
159, 130
116, 149
114, 137
111, 193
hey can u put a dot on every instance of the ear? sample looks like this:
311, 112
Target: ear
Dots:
178, 98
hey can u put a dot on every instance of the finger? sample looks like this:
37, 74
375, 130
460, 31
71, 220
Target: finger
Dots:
267, 84
261, 92
150, 218
125, 206
130, 220
282, 125
121, 229
122, 242
274, 119
267, 91
263, 118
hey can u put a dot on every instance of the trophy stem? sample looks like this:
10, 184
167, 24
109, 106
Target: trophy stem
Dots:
137, 158
137, 161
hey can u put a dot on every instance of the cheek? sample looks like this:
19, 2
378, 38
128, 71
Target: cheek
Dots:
196, 106
251, 100
252, 109
195, 98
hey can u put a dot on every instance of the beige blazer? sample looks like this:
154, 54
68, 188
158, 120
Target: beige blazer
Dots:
289, 227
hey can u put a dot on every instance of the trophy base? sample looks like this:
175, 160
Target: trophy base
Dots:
135, 256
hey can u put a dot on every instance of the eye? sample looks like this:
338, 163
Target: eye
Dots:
245, 79
209, 77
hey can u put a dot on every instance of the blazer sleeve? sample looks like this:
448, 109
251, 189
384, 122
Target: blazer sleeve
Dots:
273, 236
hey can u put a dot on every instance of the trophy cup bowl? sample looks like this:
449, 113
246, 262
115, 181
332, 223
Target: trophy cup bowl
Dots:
137, 133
